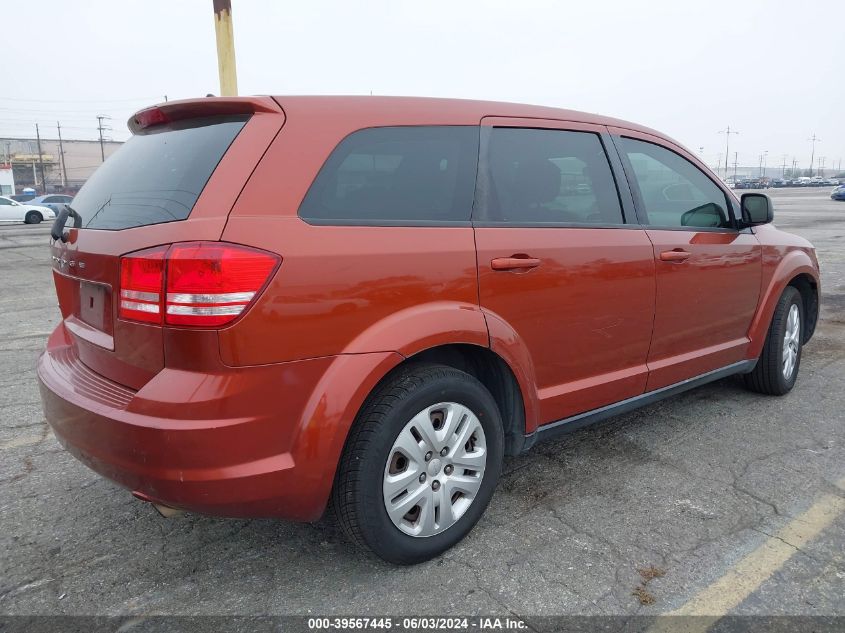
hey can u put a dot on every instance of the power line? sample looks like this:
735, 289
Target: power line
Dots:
129, 99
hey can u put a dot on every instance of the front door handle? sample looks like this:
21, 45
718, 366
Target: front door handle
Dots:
676, 255
514, 263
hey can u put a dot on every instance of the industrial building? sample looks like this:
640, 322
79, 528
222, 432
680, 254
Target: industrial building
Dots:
66, 164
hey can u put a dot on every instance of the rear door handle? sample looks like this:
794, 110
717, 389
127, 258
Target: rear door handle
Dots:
675, 256
514, 263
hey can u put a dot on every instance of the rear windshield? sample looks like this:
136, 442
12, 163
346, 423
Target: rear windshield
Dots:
156, 176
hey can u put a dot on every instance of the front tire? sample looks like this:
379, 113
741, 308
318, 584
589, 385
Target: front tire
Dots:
33, 217
777, 367
420, 464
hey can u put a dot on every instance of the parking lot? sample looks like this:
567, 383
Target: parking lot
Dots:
715, 501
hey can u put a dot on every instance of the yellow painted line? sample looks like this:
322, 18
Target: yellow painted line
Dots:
746, 576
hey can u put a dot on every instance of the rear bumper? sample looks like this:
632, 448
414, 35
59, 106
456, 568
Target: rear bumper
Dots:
243, 442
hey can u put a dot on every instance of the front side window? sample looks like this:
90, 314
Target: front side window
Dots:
548, 176
674, 192
396, 175
5, 202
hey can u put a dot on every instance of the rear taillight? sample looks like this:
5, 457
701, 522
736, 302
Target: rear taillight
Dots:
141, 277
199, 284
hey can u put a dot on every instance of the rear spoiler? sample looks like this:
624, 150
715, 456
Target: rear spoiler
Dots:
193, 108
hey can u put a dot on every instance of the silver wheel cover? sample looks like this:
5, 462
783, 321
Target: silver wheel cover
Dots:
791, 341
434, 470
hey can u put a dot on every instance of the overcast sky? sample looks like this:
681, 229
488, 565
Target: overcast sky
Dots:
770, 69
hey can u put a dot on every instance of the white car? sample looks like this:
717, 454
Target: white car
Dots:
12, 211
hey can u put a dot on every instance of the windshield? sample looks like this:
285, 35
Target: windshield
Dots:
156, 176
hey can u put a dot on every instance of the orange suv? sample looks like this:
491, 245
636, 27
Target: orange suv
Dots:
275, 305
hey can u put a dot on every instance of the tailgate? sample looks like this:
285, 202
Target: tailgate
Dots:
175, 180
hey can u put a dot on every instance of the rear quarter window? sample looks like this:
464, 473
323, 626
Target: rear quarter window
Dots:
156, 176
395, 176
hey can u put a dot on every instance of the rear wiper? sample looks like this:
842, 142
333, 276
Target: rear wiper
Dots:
58, 231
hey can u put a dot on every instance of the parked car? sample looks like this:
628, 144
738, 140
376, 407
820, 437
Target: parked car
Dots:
838, 193
14, 211
53, 201
341, 300
779, 183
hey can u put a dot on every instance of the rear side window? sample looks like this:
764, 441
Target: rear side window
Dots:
156, 176
537, 176
674, 192
397, 175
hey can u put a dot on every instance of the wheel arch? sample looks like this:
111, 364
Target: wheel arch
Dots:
799, 271
494, 373
809, 289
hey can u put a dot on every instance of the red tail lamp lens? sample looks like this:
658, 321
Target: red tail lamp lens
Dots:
201, 284
210, 284
141, 281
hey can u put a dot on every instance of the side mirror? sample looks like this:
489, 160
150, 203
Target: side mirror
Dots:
756, 208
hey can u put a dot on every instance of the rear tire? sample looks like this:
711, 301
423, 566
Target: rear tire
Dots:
33, 217
385, 446
777, 367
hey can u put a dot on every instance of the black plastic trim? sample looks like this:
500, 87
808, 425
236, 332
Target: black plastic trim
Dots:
567, 425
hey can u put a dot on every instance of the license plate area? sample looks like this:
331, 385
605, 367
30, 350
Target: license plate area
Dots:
95, 305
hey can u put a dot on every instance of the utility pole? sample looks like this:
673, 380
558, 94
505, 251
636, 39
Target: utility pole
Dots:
761, 165
727, 132
62, 155
821, 166
225, 48
765, 158
783, 170
101, 128
815, 140
736, 161
40, 160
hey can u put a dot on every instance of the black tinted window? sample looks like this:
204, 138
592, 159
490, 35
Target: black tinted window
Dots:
157, 176
675, 192
397, 174
558, 176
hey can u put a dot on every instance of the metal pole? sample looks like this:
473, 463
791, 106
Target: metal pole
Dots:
813, 154
40, 160
727, 132
62, 155
736, 160
100, 128
225, 48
